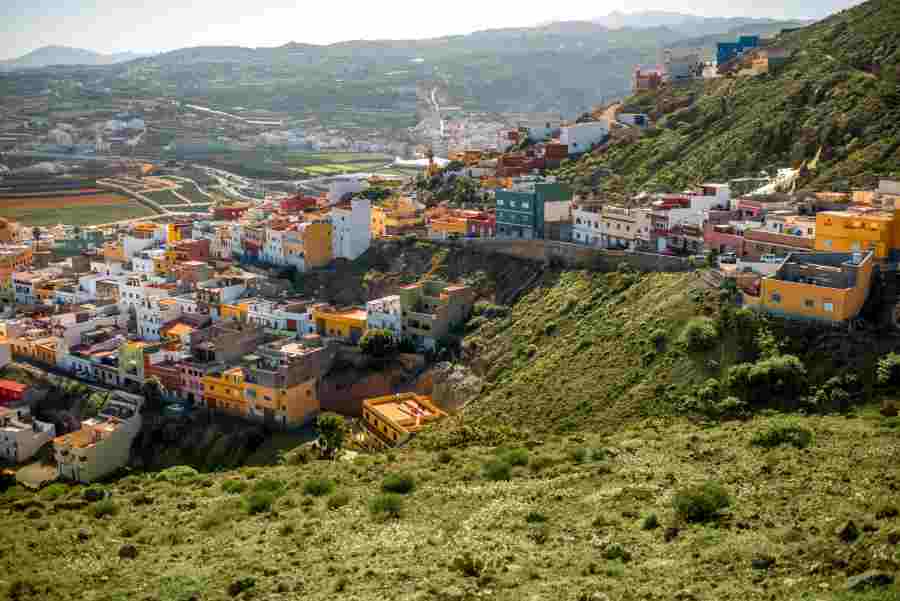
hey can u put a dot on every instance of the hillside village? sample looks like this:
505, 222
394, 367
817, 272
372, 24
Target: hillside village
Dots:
548, 369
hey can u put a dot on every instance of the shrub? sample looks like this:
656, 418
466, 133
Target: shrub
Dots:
318, 487
489, 310
178, 473
378, 344
180, 588
258, 502
779, 381
444, 457
887, 373
234, 487
578, 454
55, 491
276, 487
386, 506
702, 503
700, 334
338, 500
496, 470
515, 457
398, 483
104, 508
651, 522
783, 434
616, 552
535, 517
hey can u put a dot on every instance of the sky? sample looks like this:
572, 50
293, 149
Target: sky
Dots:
160, 25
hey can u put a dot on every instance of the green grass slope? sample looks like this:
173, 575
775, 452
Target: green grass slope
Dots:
585, 350
837, 101
587, 517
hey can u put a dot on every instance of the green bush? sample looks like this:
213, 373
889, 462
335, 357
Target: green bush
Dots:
338, 500
386, 506
496, 470
651, 522
276, 487
318, 487
178, 473
515, 457
887, 373
700, 334
783, 434
234, 487
104, 508
698, 504
258, 502
779, 381
578, 454
616, 552
398, 483
535, 517
55, 491
378, 344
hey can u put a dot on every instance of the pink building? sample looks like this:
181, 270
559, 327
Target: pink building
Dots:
723, 238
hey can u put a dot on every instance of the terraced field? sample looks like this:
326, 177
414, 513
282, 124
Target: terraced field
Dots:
71, 209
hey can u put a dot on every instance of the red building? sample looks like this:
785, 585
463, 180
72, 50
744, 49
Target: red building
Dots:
299, 203
11, 392
480, 224
229, 213
191, 250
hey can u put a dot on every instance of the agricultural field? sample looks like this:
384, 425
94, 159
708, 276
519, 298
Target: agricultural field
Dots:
319, 164
74, 210
165, 198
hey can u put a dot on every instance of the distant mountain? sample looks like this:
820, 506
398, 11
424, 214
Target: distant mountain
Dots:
64, 55
684, 24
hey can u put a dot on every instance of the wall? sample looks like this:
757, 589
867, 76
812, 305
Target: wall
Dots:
576, 255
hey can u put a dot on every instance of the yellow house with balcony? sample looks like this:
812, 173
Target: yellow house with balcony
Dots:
224, 391
858, 230
394, 216
348, 323
831, 287
291, 406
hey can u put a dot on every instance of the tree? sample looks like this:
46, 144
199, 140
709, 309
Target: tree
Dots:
152, 391
332, 430
378, 344
454, 166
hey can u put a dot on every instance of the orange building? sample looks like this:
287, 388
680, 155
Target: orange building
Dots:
393, 419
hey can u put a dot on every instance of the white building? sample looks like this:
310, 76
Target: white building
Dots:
132, 246
273, 249
352, 233
135, 290
21, 436
142, 262
103, 444
385, 314
580, 137
586, 227
5, 352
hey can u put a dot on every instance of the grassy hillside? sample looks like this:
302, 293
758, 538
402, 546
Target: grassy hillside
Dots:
585, 517
835, 106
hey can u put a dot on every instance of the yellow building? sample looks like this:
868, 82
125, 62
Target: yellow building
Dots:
317, 246
236, 312
144, 231
13, 258
349, 323
392, 419
395, 216
114, 252
290, 406
40, 350
858, 230
224, 391
829, 287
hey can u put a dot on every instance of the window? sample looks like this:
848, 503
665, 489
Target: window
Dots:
809, 303
829, 307
776, 297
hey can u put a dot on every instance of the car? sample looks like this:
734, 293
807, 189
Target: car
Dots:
771, 259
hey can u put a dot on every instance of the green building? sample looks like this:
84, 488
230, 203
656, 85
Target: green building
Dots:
523, 209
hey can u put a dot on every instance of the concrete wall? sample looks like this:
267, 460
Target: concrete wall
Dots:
576, 255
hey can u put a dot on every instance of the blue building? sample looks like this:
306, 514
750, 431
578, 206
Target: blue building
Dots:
523, 210
729, 50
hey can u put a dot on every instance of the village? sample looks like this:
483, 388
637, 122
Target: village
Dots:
198, 309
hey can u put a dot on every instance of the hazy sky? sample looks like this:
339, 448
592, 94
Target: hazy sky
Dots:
160, 25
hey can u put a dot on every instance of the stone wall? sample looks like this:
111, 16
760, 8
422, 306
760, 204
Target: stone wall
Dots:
576, 255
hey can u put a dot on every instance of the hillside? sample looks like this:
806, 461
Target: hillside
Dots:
834, 107
64, 55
